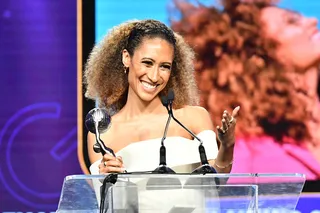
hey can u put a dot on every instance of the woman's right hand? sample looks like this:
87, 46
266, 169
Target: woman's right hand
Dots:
111, 164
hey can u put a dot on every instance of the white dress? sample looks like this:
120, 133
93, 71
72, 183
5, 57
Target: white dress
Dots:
182, 156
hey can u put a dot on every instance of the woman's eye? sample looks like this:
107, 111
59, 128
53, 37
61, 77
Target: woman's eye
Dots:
294, 19
166, 67
149, 63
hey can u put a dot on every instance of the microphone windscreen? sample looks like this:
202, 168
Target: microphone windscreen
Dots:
164, 100
170, 95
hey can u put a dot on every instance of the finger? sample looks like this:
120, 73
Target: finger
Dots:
224, 125
226, 116
112, 163
111, 170
119, 158
220, 130
101, 165
235, 112
108, 157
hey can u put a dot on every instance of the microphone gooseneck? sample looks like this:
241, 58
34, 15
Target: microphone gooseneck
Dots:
162, 168
206, 168
163, 160
164, 101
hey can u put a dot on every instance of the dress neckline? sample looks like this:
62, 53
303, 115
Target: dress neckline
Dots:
167, 138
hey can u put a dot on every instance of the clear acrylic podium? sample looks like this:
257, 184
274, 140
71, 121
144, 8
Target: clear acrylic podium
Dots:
182, 193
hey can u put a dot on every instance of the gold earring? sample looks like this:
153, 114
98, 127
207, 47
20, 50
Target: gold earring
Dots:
125, 69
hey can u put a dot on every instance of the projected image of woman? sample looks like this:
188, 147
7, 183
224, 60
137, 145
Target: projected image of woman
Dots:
265, 59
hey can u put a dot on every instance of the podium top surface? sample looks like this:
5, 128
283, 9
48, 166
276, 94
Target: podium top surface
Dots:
215, 192
278, 176
220, 178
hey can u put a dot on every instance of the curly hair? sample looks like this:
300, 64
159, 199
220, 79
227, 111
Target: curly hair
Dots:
236, 65
104, 75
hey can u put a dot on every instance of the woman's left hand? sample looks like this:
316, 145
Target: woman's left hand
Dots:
226, 133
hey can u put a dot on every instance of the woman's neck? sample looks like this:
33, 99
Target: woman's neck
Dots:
312, 80
135, 107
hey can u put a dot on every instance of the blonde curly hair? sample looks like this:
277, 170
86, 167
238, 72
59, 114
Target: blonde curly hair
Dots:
104, 76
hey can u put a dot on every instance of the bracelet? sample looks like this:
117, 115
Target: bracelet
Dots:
223, 167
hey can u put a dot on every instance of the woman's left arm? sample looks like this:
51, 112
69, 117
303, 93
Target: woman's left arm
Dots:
199, 120
226, 136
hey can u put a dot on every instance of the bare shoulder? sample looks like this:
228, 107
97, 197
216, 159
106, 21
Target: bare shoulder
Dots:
197, 118
198, 110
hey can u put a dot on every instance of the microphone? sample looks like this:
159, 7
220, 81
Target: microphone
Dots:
206, 167
98, 121
162, 168
169, 182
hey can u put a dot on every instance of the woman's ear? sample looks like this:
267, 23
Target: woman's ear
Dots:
126, 58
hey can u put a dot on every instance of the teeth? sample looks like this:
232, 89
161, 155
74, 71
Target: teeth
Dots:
147, 85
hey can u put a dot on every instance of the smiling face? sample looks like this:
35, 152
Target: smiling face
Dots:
297, 36
149, 67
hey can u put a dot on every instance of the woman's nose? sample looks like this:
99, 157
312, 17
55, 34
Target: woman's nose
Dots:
153, 75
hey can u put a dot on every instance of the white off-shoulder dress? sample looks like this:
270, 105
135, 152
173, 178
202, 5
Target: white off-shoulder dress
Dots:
182, 156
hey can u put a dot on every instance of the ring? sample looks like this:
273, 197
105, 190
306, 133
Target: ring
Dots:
105, 163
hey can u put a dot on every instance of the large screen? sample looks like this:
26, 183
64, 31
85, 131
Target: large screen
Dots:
296, 159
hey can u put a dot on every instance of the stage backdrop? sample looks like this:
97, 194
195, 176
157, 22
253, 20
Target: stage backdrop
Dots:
108, 15
38, 112
111, 13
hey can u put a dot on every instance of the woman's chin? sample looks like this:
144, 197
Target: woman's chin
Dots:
147, 97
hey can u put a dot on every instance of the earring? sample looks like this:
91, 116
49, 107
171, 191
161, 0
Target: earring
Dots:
125, 69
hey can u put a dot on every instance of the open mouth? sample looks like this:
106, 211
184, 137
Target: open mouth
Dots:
149, 86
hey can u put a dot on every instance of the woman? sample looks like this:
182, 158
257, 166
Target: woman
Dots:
265, 58
128, 72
